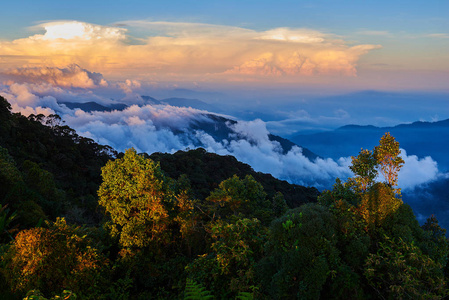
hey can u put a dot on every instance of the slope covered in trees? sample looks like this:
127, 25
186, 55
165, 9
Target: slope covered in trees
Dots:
206, 170
195, 225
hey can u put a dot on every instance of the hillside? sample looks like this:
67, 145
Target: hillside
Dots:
206, 170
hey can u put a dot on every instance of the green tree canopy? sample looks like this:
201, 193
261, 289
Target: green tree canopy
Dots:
137, 197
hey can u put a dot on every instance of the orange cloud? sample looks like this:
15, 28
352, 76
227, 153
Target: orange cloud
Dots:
167, 51
71, 76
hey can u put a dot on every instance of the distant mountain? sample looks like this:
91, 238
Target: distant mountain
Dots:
148, 100
94, 106
418, 138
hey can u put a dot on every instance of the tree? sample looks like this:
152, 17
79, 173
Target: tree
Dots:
378, 203
399, 270
229, 267
137, 197
364, 168
55, 258
9, 174
388, 160
244, 197
301, 254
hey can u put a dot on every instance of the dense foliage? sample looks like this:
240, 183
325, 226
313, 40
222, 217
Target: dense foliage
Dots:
78, 221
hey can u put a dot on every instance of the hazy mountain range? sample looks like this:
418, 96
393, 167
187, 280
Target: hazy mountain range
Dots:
419, 138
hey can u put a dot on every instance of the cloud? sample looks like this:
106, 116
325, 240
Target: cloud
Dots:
169, 51
72, 76
23, 100
72, 30
128, 86
416, 171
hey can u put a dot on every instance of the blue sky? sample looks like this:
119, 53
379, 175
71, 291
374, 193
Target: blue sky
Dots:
409, 16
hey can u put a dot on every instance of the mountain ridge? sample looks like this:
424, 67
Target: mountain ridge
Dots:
418, 138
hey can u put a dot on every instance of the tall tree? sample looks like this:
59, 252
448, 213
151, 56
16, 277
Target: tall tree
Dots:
136, 195
388, 159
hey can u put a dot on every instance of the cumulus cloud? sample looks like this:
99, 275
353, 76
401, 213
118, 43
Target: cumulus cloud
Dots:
128, 86
23, 100
68, 77
416, 171
169, 51
69, 30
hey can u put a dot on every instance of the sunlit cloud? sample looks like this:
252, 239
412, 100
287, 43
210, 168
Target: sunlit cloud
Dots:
69, 30
70, 76
168, 51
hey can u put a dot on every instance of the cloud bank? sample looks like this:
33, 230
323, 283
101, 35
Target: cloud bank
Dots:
169, 51
165, 128
72, 76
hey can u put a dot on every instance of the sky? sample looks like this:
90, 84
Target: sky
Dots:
336, 46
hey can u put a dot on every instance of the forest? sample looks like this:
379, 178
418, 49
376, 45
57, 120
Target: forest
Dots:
80, 221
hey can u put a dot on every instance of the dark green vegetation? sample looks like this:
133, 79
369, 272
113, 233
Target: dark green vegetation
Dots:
80, 221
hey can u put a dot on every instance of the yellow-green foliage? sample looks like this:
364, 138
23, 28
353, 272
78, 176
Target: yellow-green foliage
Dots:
364, 168
53, 259
388, 159
136, 196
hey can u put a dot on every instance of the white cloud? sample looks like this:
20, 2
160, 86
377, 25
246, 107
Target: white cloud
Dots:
416, 171
69, 30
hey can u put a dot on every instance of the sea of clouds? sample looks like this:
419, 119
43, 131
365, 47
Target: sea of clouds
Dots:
164, 128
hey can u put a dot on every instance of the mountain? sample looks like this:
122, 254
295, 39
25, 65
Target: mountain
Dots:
148, 100
94, 106
418, 138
